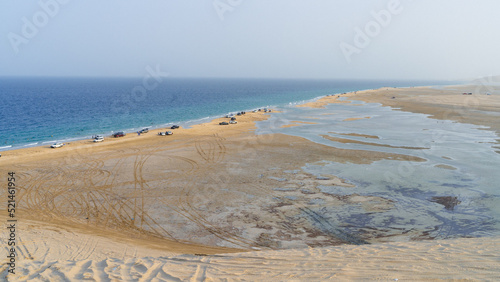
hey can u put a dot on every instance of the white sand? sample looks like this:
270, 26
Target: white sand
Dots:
95, 258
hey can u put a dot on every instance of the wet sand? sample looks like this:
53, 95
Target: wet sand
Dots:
145, 205
447, 103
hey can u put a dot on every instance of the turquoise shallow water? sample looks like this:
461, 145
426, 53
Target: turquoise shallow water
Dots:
36, 111
412, 187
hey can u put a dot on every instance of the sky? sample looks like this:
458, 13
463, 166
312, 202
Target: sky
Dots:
311, 39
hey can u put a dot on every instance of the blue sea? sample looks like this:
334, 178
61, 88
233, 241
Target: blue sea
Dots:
38, 111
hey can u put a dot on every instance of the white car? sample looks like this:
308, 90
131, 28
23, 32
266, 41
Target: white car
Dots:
98, 139
57, 145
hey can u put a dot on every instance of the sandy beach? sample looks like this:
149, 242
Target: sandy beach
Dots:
215, 202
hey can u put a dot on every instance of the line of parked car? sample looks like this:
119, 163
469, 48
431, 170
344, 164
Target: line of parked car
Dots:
232, 118
161, 133
145, 130
100, 138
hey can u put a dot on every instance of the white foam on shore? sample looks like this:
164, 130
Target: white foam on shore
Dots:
31, 144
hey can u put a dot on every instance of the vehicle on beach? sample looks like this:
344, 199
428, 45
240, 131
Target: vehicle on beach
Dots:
161, 133
98, 138
233, 118
233, 122
57, 145
144, 130
223, 123
169, 132
174, 127
119, 134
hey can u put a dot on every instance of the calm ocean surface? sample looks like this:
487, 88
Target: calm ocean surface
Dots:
36, 111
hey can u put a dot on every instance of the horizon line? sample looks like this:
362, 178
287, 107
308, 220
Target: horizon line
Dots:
228, 78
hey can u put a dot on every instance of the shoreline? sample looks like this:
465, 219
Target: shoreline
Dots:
317, 102
189, 123
109, 140
162, 127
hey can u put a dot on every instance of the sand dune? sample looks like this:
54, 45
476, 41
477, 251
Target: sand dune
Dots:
96, 258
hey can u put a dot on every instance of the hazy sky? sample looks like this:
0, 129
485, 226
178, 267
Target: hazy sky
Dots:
448, 39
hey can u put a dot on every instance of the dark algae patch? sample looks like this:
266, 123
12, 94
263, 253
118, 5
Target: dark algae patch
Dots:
448, 202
